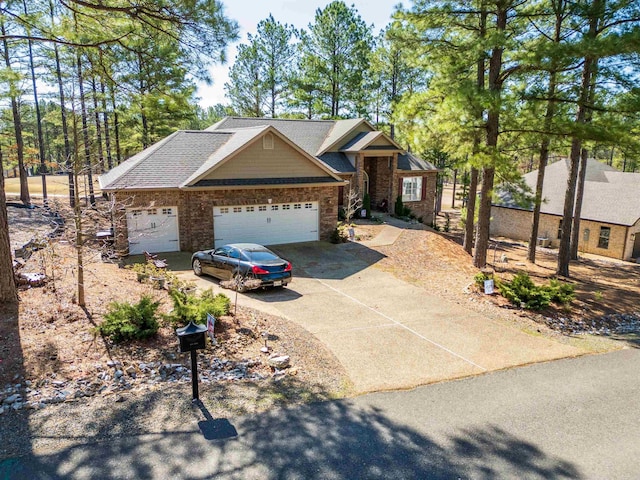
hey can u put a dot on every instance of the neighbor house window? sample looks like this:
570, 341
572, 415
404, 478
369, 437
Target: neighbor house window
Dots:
603, 240
411, 189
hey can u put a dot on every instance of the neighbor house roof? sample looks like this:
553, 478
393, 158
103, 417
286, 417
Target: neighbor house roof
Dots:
610, 196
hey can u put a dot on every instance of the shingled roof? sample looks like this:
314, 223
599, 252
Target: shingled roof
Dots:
610, 196
307, 134
166, 164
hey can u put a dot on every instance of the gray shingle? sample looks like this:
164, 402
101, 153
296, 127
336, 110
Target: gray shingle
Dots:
307, 134
338, 161
410, 162
609, 196
166, 164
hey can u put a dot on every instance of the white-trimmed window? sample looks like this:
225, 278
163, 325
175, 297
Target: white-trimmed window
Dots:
237, 209
412, 189
262, 208
250, 209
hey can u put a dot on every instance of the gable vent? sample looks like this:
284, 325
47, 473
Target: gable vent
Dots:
267, 141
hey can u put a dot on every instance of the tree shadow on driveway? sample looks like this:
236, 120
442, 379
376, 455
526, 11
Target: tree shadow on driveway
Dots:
327, 440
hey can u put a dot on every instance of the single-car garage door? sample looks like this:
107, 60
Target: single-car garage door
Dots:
271, 224
153, 230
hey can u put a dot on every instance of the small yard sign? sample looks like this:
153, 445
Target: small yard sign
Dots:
211, 324
488, 287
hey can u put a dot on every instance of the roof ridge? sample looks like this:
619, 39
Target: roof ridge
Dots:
285, 119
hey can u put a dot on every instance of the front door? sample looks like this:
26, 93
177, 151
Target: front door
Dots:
636, 246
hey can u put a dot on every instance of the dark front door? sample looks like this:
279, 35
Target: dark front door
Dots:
636, 247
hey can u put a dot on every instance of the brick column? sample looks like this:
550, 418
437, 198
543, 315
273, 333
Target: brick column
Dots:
359, 186
393, 188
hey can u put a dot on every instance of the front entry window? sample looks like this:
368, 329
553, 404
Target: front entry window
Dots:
412, 189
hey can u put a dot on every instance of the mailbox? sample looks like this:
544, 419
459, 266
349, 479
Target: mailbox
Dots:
191, 337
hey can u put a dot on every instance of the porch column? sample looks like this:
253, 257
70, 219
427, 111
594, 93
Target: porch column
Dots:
393, 188
359, 174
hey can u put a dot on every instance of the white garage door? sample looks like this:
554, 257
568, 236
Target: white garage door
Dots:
153, 230
271, 224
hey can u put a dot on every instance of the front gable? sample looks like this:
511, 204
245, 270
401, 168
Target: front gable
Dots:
267, 156
261, 156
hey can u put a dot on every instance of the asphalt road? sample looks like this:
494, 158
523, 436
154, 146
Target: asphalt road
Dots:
568, 419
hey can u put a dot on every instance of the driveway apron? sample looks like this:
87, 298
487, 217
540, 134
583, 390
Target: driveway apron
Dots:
387, 333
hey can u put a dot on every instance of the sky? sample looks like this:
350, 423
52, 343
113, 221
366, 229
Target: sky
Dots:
298, 13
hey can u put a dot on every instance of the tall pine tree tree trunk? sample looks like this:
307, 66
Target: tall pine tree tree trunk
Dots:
43, 165
17, 124
65, 125
116, 124
559, 7
105, 121
584, 157
8, 291
85, 134
469, 226
542, 166
564, 252
493, 124
96, 112
577, 211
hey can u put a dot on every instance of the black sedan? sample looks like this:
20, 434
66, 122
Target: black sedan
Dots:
248, 265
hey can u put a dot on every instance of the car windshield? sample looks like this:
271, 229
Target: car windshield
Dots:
260, 255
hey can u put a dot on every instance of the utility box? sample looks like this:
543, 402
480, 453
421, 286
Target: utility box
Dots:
191, 337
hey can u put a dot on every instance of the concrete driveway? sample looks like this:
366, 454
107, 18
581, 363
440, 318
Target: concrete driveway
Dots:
387, 333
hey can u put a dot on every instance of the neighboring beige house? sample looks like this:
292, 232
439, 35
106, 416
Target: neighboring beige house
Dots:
261, 180
610, 219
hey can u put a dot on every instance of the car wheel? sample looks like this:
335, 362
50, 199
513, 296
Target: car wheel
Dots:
238, 282
197, 267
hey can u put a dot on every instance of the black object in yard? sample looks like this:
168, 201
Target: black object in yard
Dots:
192, 339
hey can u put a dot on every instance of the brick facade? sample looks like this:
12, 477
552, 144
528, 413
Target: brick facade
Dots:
195, 209
516, 224
423, 208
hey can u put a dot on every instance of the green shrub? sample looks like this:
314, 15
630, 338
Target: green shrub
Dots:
480, 277
523, 292
366, 204
561, 292
340, 234
125, 321
399, 206
191, 307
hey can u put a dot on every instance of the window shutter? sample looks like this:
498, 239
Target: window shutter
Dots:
424, 188
400, 192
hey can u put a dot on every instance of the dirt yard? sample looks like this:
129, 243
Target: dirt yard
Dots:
51, 342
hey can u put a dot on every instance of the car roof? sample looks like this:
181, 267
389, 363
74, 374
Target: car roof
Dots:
247, 246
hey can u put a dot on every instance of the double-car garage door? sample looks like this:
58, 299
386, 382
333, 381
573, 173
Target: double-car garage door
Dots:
156, 229
269, 224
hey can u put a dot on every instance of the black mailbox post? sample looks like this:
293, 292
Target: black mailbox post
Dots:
191, 340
